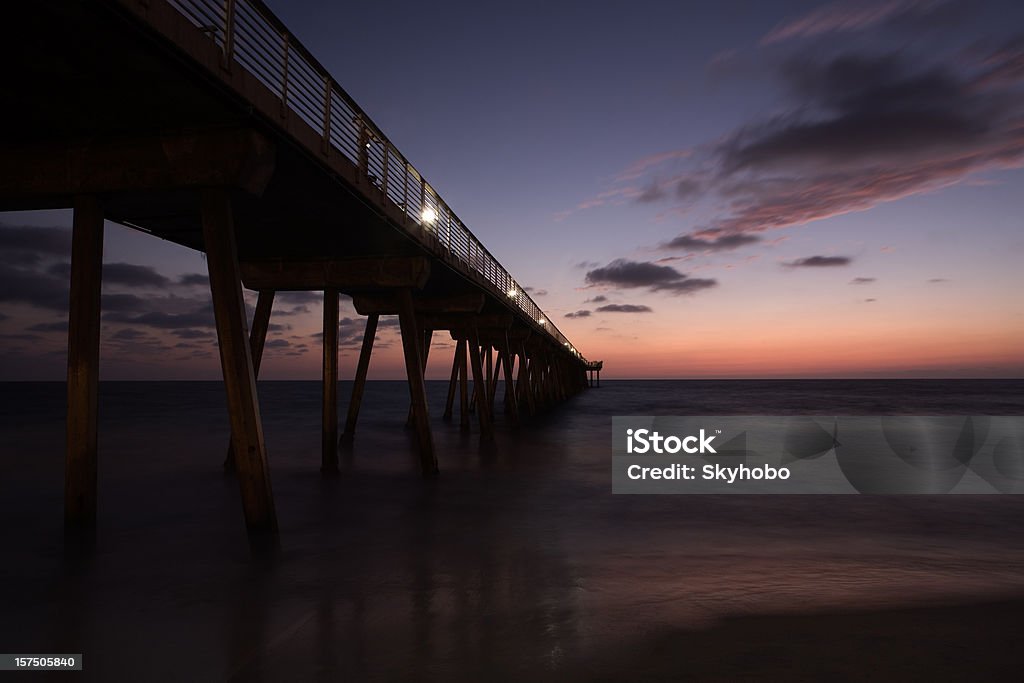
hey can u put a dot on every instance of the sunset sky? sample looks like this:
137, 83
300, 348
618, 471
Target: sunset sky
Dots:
729, 189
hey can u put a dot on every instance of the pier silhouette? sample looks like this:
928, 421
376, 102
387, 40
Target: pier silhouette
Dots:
207, 124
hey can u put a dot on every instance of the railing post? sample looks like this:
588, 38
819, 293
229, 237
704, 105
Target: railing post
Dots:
228, 49
327, 115
284, 76
387, 161
423, 199
405, 191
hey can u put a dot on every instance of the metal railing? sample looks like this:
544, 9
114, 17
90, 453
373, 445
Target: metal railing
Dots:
249, 35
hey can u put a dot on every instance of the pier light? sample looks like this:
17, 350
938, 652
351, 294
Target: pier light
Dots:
512, 293
541, 321
429, 215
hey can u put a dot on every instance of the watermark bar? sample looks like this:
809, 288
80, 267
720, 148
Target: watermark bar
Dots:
898, 454
37, 662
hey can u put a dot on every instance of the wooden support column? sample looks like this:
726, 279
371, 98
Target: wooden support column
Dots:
81, 452
479, 388
359, 384
489, 368
257, 341
560, 376
545, 369
510, 383
453, 382
469, 357
511, 403
524, 379
492, 383
463, 385
417, 387
428, 336
236, 362
329, 428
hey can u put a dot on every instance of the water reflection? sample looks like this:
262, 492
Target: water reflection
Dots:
513, 565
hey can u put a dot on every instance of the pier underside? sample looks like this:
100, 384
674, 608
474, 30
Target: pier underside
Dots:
129, 112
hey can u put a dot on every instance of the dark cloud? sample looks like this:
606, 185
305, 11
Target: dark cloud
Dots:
127, 274
635, 274
687, 188
535, 292
1005, 65
47, 241
583, 313
599, 299
652, 193
131, 275
19, 258
58, 326
294, 310
194, 280
874, 109
870, 301
200, 317
39, 290
350, 331
191, 333
937, 280
865, 130
859, 130
300, 297
862, 280
129, 334
721, 243
33, 338
277, 343
819, 262
120, 303
625, 308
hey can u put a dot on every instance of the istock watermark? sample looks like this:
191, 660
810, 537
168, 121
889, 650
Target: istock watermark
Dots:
648, 441
900, 454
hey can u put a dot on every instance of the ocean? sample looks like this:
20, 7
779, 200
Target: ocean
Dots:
515, 563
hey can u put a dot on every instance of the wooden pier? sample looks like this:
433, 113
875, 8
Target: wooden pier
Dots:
205, 123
